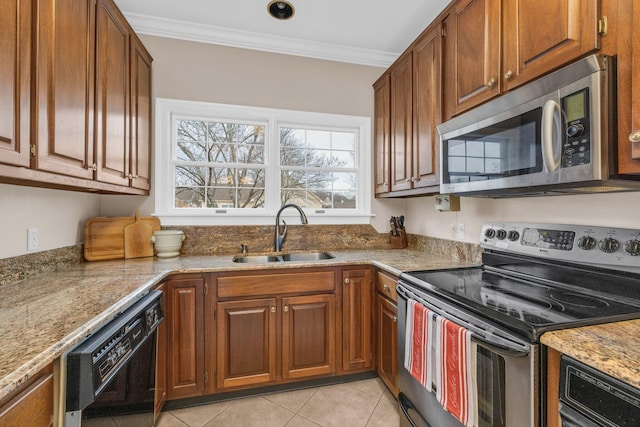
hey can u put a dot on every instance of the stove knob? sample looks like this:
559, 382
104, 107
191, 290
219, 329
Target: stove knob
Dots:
587, 243
501, 234
609, 245
513, 235
490, 233
632, 247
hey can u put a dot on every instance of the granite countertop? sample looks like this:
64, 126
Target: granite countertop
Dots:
613, 348
46, 315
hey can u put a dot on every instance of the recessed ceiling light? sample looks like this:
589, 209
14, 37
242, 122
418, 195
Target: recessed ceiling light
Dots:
280, 9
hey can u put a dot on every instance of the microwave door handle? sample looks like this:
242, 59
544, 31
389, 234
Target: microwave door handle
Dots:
550, 122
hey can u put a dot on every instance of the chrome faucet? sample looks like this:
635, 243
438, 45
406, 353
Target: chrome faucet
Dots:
280, 236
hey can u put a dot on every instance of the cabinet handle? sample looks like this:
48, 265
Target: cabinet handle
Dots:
273, 309
346, 281
634, 136
508, 74
285, 308
395, 319
386, 288
94, 167
491, 82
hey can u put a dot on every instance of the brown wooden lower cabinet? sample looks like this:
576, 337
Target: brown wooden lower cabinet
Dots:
33, 406
308, 336
184, 301
248, 349
387, 331
387, 362
356, 319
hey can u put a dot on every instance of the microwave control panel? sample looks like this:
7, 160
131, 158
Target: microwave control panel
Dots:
576, 149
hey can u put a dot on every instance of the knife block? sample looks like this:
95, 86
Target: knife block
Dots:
399, 241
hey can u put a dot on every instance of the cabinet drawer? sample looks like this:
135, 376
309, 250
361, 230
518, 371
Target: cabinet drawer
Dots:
386, 285
275, 284
31, 407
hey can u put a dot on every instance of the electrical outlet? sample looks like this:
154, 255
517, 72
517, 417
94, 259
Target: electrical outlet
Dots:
458, 229
33, 237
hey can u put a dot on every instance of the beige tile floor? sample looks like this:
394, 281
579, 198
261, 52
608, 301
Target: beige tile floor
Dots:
365, 403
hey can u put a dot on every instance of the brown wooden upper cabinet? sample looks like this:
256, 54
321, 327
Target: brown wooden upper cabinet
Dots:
494, 46
628, 50
472, 62
407, 156
84, 124
15, 99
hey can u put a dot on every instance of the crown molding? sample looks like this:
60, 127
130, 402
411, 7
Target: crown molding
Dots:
162, 27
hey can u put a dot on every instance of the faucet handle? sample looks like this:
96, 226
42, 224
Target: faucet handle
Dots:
244, 248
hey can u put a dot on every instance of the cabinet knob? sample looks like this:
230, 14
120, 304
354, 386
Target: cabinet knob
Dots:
491, 82
94, 167
634, 136
395, 319
273, 309
285, 308
346, 281
508, 74
386, 288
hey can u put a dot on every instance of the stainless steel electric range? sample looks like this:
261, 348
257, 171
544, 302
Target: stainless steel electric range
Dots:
534, 278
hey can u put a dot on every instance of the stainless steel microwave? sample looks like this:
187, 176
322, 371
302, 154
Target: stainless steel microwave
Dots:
555, 135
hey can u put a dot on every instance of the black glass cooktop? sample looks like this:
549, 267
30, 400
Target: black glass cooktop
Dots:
552, 298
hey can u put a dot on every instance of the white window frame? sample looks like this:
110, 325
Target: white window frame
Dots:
168, 111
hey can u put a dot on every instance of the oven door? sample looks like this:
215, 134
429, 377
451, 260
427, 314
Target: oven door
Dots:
506, 378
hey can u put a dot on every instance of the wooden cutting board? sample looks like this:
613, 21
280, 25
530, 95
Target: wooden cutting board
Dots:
137, 239
104, 236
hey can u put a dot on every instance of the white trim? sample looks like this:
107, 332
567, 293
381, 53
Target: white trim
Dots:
162, 27
168, 110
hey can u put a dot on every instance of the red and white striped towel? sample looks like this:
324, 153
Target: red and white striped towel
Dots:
418, 342
454, 376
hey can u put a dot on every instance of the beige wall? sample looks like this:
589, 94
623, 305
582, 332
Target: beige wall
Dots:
58, 216
615, 210
210, 73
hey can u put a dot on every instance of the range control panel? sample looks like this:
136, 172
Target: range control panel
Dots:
616, 248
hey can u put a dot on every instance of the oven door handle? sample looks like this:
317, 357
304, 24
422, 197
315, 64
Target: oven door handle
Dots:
500, 349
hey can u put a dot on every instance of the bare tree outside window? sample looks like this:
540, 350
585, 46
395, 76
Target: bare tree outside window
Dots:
222, 165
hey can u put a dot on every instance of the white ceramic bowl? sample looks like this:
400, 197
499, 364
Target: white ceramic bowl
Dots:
167, 243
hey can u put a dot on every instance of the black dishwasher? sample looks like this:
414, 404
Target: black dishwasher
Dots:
590, 398
111, 374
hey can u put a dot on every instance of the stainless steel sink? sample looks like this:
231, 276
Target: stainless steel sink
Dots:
256, 259
289, 257
307, 256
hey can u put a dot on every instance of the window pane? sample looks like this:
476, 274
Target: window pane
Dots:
293, 179
251, 198
344, 159
191, 151
299, 197
344, 200
318, 139
190, 176
291, 156
343, 141
344, 181
192, 131
189, 197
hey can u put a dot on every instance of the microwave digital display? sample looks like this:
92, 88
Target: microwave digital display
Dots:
574, 106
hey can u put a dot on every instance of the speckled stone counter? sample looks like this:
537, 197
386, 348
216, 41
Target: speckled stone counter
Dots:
43, 316
613, 348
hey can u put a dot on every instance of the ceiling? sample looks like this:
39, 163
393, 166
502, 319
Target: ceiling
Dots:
369, 32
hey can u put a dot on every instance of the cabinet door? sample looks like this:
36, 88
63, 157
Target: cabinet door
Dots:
140, 115
387, 340
246, 338
185, 337
65, 86
356, 319
382, 122
161, 358
427, 108
33, 406
308, 336
401, 123
15, 95
540, 36
112, 95
473, 54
